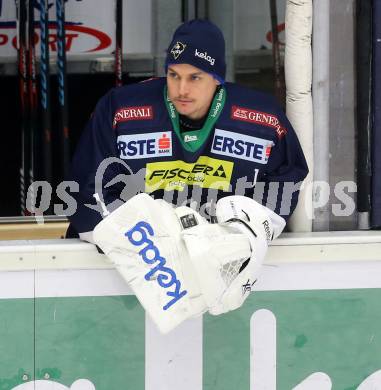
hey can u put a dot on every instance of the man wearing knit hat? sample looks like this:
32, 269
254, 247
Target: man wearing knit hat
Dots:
189, 138
195, 68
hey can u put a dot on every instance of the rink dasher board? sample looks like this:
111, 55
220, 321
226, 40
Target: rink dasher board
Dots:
318, 256
18, 255
76, 320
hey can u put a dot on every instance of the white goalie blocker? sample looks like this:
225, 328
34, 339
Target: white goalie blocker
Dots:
179, 265
142, 238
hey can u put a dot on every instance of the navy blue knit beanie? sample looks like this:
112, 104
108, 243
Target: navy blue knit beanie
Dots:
199, 43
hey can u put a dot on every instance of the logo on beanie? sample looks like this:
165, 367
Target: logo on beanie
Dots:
177, 49
205, 56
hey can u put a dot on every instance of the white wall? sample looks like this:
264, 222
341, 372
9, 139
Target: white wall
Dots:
252, 22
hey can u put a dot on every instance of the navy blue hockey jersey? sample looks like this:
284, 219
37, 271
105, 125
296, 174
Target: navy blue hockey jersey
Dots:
133, 143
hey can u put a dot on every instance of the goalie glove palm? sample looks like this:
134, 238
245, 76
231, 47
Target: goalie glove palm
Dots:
217, 253
260, 225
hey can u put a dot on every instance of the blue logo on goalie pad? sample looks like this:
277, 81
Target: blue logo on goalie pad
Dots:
150, 254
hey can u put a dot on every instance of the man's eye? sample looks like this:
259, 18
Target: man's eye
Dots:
172, 75
195, 77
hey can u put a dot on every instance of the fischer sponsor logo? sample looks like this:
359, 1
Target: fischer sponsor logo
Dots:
151, 145
126, 114
204, 56
206, 172
241, 146
258, 117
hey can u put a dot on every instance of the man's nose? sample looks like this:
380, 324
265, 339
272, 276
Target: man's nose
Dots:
183, 88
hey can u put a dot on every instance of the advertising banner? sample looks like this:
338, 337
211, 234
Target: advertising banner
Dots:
89, 26
306, 326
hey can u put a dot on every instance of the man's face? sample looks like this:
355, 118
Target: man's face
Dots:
190, 89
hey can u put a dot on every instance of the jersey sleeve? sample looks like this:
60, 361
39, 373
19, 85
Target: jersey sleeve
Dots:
97, 143
287, 168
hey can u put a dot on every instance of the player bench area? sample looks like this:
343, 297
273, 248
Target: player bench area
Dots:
27, 228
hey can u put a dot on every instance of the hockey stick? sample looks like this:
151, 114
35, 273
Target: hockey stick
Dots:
280, 89
62, 87
21, 20
32, 90
118, 43
45, 91
364, 110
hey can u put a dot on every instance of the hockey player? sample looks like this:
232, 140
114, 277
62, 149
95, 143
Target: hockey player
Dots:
187, 139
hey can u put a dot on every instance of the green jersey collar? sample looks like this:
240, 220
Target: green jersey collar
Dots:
193, 140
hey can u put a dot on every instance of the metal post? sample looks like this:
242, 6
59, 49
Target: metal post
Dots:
202, 7
320, 88
166, 17
188, 10
221, 12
